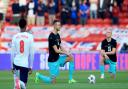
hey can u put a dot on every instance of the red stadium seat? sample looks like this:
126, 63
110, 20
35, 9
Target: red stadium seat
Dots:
123, 21
121, 16
95, 21
124, 8
99, 21
107, 21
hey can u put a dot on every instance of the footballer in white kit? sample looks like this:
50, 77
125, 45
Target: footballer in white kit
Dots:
22, 55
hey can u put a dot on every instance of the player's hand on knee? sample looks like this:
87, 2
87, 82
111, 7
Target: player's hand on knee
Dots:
30, 71
106, 57
68, 54
13, 70
102, 53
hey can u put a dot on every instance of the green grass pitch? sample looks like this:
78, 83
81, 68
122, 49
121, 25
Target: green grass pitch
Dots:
121, 82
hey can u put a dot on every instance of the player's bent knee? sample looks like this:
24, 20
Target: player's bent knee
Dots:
70, 58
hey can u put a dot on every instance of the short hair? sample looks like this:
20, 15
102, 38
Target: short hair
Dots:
22, 23
110, 30
55, 21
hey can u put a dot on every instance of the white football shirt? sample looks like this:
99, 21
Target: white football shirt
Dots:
22, 50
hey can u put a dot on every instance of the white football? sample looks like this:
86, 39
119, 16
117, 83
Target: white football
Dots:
92, 79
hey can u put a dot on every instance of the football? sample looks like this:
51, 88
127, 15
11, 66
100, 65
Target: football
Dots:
92, 79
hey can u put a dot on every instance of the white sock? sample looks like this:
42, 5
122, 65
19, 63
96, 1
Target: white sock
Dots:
16, 81
22, 84
102, 74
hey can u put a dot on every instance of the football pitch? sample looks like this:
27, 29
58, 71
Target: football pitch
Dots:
121, 82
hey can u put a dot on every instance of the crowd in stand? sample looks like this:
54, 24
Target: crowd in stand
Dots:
69, 11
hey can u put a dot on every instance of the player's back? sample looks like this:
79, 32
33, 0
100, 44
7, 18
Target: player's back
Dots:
22, 43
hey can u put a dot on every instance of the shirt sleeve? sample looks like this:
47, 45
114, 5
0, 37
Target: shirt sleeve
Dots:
31, 52
12, 51
102, 45
114, 44
59, 39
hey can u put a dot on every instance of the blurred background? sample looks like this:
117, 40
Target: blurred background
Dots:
83, 27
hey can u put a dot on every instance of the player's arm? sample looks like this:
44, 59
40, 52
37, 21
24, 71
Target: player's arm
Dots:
102, 52
53, 44
113, 49
63, 49
81, 12
112, 52
59, 50
12, 52
31, 54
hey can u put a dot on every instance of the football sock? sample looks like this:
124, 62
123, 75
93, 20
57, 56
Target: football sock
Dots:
71, 70
102, 69
44, 78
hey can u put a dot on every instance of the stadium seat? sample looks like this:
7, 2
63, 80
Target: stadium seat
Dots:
123, 21
124, 8
107, 21
95, 21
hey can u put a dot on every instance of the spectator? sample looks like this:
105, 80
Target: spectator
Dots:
76, 3
102, 8
31, 13
41, 9
51, 11
16, 12
110, 7
87, 2
56, 6
119, 3
63, 2
115, 12
36, 2
84, 9
65, 13
1, 13
124, 48
74, 13
22, 3
69, 2
93, 9
23, 7
45, 2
